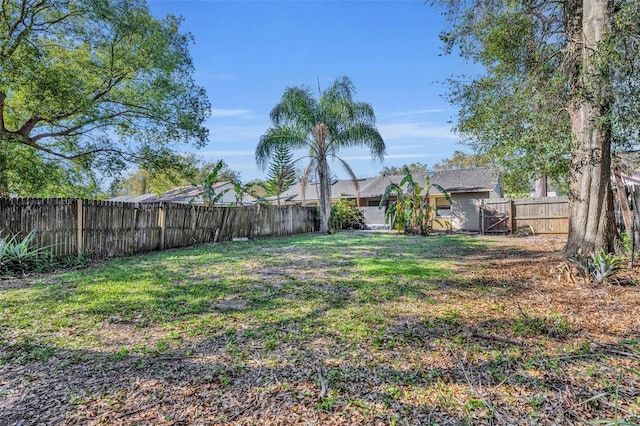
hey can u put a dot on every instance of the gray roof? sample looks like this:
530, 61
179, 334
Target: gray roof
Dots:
183, 194
144, 198
193, 194
466, 180
463, 180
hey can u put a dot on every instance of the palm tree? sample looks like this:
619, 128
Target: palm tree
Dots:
323, 126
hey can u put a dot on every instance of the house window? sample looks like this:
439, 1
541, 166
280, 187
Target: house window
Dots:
443, 207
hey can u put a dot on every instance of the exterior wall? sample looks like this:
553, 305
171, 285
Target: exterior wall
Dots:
464, 213
230, 195
373, 215
441, 222
465, 210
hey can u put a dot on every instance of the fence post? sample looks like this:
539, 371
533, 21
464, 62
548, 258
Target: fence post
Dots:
161, 225
79, 227
512, 219
482, 217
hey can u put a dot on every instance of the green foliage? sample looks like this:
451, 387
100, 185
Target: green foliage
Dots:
462, 160
282, 174
322, 126
210, 195
416, 168
99, 82
514, 115
26, 173
254, 188
410, 211
20, 256
625, 241
225, 174
621, 53
559, 93
554, 326
181, 170
597, 267
345, 215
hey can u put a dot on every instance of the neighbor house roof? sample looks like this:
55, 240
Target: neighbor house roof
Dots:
144, 198
188, 194
464, 180
182, 194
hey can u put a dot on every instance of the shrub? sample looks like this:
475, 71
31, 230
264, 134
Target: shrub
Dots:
20, 256
597, 267
345, 215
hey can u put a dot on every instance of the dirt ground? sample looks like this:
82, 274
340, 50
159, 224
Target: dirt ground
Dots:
534, 347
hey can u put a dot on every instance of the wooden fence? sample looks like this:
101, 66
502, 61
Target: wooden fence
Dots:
545, 215
633, 219
106, 228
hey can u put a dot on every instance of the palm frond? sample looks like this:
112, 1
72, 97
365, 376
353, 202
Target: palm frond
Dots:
361, 134
305, 178
295, 137
296, 107
354, 179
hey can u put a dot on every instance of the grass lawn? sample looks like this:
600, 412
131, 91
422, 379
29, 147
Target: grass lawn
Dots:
353, 328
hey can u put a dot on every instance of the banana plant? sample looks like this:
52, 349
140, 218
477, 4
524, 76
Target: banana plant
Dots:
210, 195
252, 189
410, 211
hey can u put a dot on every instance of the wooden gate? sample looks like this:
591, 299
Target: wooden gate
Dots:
543, 215
495, 217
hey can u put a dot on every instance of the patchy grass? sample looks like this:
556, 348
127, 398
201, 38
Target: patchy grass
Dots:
354, 328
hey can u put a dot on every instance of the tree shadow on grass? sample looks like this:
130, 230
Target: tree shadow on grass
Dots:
226, 379
265, 359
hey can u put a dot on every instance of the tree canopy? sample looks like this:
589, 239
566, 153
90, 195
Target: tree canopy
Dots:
323, 126
96, 82
182, 170
558, 76
515, 113
417, 168
24, 173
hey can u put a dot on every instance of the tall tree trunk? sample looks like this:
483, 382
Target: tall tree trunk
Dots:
541, 187
591, 218
325, 195
321, 133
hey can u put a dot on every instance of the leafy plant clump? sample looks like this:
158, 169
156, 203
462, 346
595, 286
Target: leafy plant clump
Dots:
410, 211
21, 256
597, 267
345, 215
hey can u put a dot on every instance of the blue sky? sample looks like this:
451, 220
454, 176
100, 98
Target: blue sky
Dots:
246, 53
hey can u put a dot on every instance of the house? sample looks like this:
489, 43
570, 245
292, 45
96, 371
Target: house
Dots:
465, 187
185, 194
144, 198
193, 194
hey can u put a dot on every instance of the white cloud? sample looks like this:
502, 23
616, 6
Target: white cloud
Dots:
227, 153
395, 131
415, 112
387, 157
222, 112
404, 147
